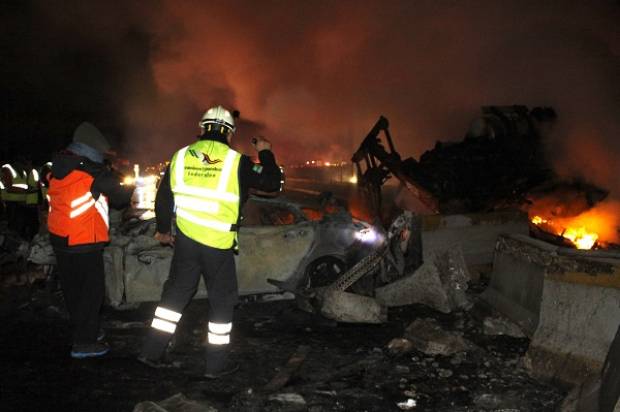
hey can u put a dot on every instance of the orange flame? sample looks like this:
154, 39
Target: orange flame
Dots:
580, 237
569, 229
596, 226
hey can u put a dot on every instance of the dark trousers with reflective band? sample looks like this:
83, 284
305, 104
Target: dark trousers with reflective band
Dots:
83, 286
191, 260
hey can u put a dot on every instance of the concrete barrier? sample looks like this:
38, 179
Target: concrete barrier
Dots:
516, 283
568, 304
476, 234
609, 395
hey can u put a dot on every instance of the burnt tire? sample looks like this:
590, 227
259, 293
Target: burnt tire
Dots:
324, 271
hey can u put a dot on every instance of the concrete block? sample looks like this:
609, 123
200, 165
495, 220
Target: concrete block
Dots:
515, 290
439, 283
423, 286
349, 307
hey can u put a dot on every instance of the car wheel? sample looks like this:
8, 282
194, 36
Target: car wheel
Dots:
324, 271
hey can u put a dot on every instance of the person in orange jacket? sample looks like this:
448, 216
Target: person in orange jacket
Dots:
81, 189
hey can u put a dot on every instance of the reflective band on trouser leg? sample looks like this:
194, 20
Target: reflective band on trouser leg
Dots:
167, 314
163, 325
165, 320
219, 333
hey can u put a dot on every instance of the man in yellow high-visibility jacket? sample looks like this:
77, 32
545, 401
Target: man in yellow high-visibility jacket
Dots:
207, 182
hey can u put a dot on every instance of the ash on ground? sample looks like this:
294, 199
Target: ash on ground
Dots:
421, 360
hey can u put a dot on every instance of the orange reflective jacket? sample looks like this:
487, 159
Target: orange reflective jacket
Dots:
74, 213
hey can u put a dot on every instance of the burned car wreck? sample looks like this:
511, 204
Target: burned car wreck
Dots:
292, 245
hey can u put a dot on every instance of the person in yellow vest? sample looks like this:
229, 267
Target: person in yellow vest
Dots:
14, 195
207, 182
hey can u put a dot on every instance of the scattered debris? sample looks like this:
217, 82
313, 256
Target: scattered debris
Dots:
286, 373
429, 337
288, 402
115, 324
175, 403
271, 297
509, 401
41, 251
407, 405
501, 326
400, 346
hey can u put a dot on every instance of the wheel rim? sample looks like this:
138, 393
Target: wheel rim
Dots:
324, 272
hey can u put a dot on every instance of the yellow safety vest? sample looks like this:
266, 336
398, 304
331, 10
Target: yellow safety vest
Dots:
205, 183
32, 197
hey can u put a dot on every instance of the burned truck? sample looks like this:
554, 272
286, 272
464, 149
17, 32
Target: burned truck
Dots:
499, 160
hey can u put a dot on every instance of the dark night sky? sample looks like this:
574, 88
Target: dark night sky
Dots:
311, 75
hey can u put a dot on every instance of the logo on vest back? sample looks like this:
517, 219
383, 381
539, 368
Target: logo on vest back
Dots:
206, 159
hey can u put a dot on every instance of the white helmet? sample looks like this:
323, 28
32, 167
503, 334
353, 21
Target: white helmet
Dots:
218, 116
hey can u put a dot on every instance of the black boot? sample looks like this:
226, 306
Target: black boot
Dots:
154, 349
217, 362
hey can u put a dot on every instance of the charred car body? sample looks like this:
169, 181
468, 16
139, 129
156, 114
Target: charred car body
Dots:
295, 246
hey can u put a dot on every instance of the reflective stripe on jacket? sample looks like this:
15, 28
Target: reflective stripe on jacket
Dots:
15, 185
205, 182
74, 212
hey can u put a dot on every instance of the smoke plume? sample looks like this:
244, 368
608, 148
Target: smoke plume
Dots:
314, 76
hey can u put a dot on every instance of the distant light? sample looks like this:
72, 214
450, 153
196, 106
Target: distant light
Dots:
353, 179
313, 162
328, 164
308, 162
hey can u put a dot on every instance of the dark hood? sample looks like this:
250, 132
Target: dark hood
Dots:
65, 162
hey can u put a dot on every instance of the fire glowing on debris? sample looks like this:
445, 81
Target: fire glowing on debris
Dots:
570, 229
580, 237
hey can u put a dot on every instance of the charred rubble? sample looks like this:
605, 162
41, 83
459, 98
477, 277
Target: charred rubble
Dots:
432, 349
